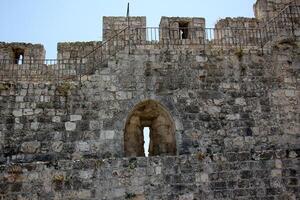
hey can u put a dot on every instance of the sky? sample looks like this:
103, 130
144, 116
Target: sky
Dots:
48, 22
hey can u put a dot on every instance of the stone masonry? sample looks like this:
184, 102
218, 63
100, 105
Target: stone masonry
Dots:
224, 123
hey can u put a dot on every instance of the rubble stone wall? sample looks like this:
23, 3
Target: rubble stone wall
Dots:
243, 175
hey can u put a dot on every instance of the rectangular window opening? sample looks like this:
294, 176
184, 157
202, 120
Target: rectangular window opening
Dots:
183, 30
146, 134
19, 56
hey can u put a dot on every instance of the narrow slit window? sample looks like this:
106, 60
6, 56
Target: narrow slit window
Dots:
20, 61
146, 134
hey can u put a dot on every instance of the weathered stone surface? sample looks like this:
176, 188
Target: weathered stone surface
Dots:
30, 147
75, 118
229, 117
70, 126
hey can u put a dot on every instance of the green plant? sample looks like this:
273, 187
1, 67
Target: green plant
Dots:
44, 105
132, 163
243, 69
15, 169
98, 163
129, 195
14, 173
239, 53
200, 156
4, 86
58, 178
65, 88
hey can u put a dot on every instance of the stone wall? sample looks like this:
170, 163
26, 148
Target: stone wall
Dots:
244, 175
113, 25
238, 31
12, 51
75, 50
182, 30
265, 10
228, 117
219, 103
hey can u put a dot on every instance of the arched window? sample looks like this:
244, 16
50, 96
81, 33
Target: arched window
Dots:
149, 114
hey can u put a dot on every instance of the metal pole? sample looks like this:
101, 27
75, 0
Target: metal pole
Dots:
128, 25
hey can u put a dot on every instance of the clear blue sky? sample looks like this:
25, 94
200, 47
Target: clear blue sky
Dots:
51, 21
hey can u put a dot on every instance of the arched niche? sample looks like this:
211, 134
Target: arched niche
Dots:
150, 114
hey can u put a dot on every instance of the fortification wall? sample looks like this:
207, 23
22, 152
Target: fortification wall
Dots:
219, 103
244, 175
229, 118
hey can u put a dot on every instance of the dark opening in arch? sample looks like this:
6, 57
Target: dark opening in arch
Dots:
162, 130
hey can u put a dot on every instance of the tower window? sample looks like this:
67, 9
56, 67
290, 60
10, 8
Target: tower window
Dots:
18, 56
183, 30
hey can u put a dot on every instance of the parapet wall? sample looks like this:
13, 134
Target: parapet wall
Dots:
239, 22
75, 50
112, 25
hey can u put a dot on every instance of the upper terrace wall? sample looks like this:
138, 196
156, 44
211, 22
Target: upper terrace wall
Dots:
21, 51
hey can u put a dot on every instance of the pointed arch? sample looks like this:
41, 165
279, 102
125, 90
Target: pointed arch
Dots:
150, 114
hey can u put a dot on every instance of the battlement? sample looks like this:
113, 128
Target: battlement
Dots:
18, 52
22, 61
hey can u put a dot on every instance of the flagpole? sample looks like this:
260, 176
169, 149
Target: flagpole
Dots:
128, 26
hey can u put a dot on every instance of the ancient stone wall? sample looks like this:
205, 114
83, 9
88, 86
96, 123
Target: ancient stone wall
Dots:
238, 31
113, 25
243, 175
75, 50
218, 103
224, 122
182, 30
21, 52
265, 10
